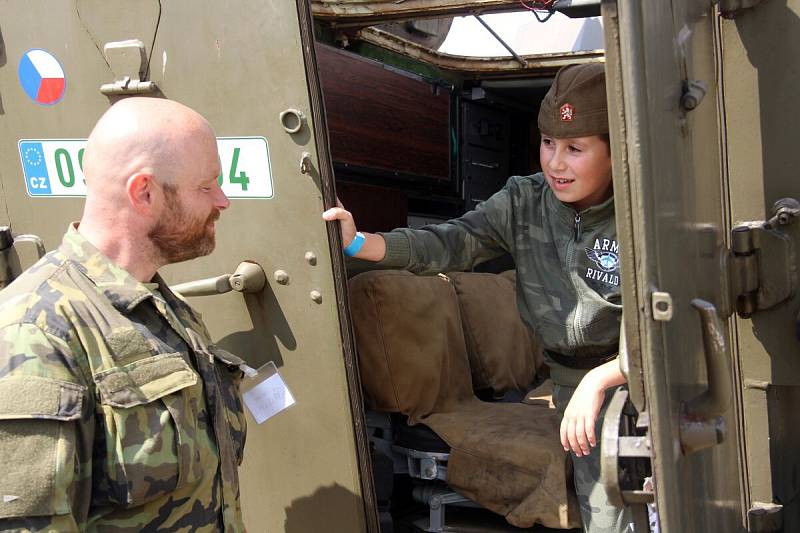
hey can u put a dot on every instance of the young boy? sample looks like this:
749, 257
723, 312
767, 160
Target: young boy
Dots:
559, 226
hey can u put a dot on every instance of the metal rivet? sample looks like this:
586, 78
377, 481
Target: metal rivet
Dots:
282, 277
316, 296
311, 258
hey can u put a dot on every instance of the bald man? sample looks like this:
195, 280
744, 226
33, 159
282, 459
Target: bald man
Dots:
117, 413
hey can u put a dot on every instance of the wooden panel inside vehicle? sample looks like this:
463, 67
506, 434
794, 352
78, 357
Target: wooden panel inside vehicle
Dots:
383, 120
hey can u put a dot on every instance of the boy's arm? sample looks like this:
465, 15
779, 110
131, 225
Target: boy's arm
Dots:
578, 425
457, 244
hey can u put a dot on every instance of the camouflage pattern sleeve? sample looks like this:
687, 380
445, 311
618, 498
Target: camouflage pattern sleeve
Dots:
44, 455
457, 244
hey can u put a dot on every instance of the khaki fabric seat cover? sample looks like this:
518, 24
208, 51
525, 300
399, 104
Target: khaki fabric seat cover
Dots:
503, 353
413, 360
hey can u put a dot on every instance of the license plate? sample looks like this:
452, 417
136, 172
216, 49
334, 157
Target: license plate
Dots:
54, 167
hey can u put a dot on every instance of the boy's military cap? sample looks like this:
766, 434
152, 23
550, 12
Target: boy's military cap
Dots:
575, 105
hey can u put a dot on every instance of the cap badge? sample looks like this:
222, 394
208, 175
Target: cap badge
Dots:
567, 112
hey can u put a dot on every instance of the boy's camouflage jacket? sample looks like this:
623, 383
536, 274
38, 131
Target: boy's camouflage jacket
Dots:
116, 413
567, 262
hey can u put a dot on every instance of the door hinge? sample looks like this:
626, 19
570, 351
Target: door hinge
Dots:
761, 266
765, 518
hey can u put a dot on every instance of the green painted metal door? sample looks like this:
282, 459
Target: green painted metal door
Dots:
243, 65
671, 200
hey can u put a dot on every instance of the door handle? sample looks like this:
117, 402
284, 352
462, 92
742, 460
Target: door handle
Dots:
7, 243
248, 278
701, 423
35, 240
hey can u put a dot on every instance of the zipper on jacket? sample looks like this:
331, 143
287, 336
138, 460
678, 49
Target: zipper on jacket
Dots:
577, 227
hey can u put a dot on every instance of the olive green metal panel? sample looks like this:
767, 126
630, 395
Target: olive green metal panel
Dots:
70, 42
675, 229
240, 64
761, 83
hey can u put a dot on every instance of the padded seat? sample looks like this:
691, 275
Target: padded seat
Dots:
413, 360
504, 355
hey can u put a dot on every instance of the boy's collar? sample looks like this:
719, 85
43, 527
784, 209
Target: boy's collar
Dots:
589, 215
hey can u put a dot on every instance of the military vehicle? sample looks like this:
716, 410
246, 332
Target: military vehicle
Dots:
703, 105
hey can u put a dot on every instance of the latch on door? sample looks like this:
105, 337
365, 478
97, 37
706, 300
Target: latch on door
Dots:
248, 278
626, 446
762, 260
128, 62
10, 266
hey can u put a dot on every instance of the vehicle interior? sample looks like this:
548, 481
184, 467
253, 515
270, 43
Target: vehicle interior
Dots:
463, 433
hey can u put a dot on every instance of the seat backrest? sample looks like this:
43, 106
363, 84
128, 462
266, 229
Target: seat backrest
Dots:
503, 353
413, 360
411, 351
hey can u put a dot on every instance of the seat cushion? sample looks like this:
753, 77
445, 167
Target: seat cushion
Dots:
503, 353
413, 360
508, 458
411, 353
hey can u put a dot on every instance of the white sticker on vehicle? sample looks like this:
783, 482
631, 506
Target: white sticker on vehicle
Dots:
54, 167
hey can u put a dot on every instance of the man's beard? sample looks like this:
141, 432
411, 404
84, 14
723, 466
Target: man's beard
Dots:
178, 237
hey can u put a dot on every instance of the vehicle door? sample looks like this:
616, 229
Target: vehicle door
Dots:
666, 97
249, 68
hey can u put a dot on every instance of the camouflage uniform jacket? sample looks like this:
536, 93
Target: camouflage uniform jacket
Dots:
116, 412
567, 262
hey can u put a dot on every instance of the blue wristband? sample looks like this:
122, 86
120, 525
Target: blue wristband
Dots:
355, 245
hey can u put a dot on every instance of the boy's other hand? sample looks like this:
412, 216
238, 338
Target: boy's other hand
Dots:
578, 424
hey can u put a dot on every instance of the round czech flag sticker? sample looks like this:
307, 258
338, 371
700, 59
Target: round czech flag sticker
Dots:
42, 77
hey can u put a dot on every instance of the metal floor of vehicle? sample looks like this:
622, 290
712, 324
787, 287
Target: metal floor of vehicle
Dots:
463, 520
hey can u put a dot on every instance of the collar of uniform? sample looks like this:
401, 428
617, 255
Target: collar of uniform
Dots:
123, 290
182, 310
589, 215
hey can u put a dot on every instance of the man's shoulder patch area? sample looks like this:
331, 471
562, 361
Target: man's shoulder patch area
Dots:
34, 297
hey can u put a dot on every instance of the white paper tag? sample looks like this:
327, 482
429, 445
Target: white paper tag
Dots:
268, 398
8, 498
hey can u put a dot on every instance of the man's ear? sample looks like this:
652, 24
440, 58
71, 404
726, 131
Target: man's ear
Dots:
142, 192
